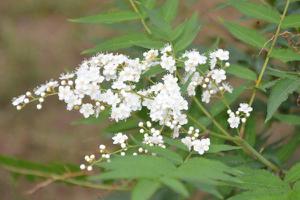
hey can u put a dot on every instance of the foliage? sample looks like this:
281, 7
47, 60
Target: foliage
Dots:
240, 164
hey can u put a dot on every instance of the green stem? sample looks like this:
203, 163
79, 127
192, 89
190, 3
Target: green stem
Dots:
67, 178
135, 8
264, 67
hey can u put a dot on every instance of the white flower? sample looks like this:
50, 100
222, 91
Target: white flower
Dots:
244, 107
188, 142
87, 110
218, 75
166, 49
64, 92
150, 55
227, 87
119, 138
66, 76
154, 139
201, 146
206, 96
234, 121
222, 55
168, 63
18, 100
194, 58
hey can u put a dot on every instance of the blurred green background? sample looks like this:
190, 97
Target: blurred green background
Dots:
37, 43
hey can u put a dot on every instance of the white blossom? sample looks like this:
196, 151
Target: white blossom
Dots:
244, 107
119, 138
233, 120
87, 110
218, 75
168, 63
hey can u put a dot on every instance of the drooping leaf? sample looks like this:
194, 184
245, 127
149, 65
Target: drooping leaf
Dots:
144, 189
285, 55
288, 118
190, 32
291, 21
136, 167
284, 152
280, 74
126, 41
242, 72
257, 10
108, 18
176, 186
280, 93
247, 35
169, 9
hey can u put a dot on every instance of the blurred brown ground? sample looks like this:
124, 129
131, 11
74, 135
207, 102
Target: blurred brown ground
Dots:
37, 43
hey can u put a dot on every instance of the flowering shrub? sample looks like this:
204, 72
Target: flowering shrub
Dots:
190, 130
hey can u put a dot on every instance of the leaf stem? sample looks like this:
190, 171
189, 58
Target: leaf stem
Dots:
259, 79
135, 8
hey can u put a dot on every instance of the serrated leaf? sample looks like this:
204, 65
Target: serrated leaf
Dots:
285, 55
242, 72
288, 118
190, 32
144, 189
293, 174
126, 41
206, 171
280, 93
258, 11
169, 9
250, 130
108, 18
247, 35
176, 186
136, 167
291, 21
166, 153
280, 73
216, 148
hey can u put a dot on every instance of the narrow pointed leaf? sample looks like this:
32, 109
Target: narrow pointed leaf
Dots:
291, 21
144, 189
176, 186
247, 35
169, 9
285, 55
242, 72
280, 93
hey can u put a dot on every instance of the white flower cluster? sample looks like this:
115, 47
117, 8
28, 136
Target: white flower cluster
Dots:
152, 136
241, 115
192, 141
212, 81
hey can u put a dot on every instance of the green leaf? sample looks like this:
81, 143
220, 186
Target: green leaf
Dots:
280, 73
293, 174
136, 167
206, 171
261, 195
287, 150
176, 143
291, 21
108, 18
190, 32
126, 41
246, 35
183, 87
258, 11
216, 148
169, 9
280, 93
122, 126
253, 179
285, 55
144, 189
242, 72
288, 118
250, 130
176, 186
166, 153
159, 26
153, 71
